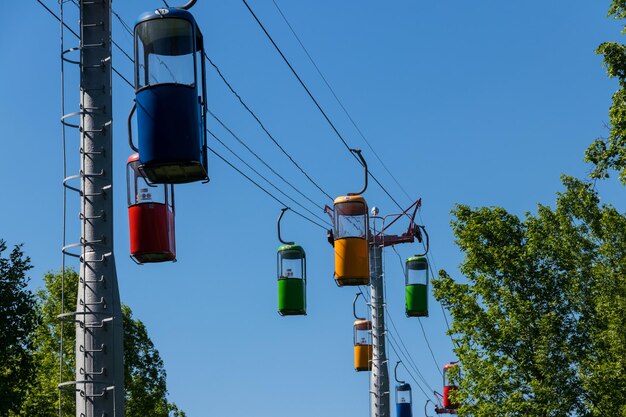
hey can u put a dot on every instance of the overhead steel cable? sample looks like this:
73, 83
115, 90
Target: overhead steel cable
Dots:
392, 346
64, 234
266, 180
212, 150
263, 161
75, 2
78, 37
410, 359
407, 356
319, 107
296, 75
122, 22
263, 189
59, 19
243, 103
432, 354
358, 129
431, 263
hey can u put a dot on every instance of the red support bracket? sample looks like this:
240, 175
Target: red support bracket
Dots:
409, 237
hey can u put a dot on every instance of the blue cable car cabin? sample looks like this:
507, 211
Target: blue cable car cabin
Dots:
170, 97
403, 400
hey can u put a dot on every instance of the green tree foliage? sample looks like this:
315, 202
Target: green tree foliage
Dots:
539, 325
610, 153
145, 384
144, 373
17, 321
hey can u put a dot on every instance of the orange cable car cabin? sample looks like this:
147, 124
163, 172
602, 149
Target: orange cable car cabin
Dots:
351, 241
150, 217
363, 345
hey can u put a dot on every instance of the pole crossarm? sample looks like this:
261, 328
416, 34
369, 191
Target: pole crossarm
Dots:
381, 239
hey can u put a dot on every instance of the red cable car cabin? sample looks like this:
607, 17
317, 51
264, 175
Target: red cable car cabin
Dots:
448, 387
150, 217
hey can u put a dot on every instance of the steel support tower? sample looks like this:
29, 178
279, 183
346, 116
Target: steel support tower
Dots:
99, 345
379, 376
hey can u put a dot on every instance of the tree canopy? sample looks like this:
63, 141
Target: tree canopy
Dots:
539, 326
610, 153
17, 322
145, 376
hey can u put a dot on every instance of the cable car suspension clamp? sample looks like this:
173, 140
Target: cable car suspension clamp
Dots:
130, 128
330, 236
395, 373
357, 152
354, 306
282, 212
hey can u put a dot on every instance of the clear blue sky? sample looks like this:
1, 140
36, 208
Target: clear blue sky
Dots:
481, 103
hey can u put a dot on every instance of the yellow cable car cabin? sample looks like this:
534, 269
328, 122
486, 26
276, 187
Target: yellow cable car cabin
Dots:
363, 345
351, 235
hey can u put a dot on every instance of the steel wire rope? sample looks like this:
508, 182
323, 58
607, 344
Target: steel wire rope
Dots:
408, 370
338, 100
75, 2
64, 233
212, 150
234, 92
63, 140
409, 357
412, 362
262, 160
266, 180
119, 74
319, 107
263, 189
243, 103
369, 315
130, 32
432, 354
432, 263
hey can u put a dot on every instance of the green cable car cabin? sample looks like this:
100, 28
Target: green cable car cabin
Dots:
291, 276
291, 280
416, 287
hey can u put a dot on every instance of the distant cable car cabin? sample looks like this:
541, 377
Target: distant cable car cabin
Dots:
449, 387
416, 287
363, 349
150, 217
170, 87
350, 237
363, 345
404, 398
291, 277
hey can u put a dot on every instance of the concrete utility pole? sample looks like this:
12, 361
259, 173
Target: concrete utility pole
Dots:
379, 376
99, 345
